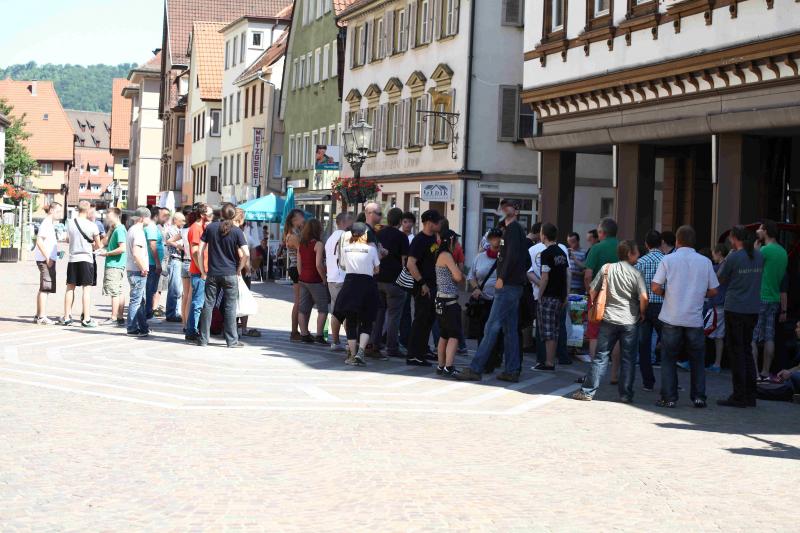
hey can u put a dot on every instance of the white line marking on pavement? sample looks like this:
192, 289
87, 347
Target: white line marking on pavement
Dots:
498, 392
551, 396
89, 393
317, 392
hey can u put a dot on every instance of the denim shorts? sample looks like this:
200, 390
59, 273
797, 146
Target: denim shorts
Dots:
765, 329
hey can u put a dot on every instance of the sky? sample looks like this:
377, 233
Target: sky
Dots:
79, 32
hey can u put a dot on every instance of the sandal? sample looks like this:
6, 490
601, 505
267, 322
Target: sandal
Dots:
251, 333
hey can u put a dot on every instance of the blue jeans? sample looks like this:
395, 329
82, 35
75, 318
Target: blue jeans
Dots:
503, 316
561, 345
196, 305
391, 300
152, 288
230, 285
651, 322
673, 338
137, 320
405, 322
175, 290
609, 334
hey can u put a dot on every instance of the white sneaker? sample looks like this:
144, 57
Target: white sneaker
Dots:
44, 321
337, 347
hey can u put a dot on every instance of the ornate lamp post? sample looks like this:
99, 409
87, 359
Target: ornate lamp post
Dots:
26, 184
112, 193
357, 141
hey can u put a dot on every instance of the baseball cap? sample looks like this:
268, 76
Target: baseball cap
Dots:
511, 202
142, 212
431, 215
359, 228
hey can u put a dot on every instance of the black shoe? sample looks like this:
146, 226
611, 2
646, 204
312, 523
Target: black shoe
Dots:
237, 345
750, 403
467, 374
175, 319
626, 399
308, 339
416, 361
730, 402
581, 380
191, 338
542, 367
431, 357
451, 372
509, 377
665, 403
439, 370
319, 339
700, 404
649, 388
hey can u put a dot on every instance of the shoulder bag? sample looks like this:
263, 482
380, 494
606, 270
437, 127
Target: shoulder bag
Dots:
598, 308
474, 308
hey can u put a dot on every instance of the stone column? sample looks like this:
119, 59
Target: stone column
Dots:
634, 204
557, 190
736, 190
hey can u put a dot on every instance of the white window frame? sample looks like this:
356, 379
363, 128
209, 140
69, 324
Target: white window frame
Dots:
243, 47
380, 40
332, 139
402, 30
326, 54
450, 17
424, 24
320, 8
306, 149
395, 114
313, 147
45, 169
234, 49
227, 54
253, 35
601, 12
418, 104
215, 131
334, 59
317, 65
553, 5
309, 69
328, 4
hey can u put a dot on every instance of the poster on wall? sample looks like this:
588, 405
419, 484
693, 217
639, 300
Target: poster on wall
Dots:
436, 192
258, 144
327, 157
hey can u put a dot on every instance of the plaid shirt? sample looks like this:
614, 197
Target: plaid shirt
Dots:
647, 265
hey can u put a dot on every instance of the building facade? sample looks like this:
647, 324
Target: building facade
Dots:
172, 149
94, 162
144, 170
694, 107
243, 103
120, 138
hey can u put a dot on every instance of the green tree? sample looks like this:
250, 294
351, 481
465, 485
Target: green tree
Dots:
17, 156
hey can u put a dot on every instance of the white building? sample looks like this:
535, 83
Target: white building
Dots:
243, 101
454, 56
204, 110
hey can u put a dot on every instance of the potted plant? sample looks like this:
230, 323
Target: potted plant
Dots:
8, 252
352, 191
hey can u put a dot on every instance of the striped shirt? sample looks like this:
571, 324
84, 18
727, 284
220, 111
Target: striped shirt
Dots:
577, 256
648, 265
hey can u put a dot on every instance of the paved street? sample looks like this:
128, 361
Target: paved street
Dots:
105, 432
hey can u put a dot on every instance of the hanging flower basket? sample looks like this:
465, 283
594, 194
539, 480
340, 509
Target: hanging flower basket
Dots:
14, 194
350, 191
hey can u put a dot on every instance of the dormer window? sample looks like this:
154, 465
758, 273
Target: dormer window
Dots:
82, 126
258, 38
94, 170
46, 117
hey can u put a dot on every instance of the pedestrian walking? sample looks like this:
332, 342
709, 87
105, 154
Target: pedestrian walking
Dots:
742, 271
313, 280
648, 265
716, 309
116, 261
553, 293
391, 297
357, 303
84, 239
625, 306
45, 253
422, 267
203, 215
138, 266
293, 226
175, 254
335, 275
688, 278
481, 280
512, 267
228, 254
448, 311
773, 298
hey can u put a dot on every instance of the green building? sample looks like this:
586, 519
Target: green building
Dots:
311, 101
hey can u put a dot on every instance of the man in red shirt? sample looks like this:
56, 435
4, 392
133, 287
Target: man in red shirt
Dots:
203, 214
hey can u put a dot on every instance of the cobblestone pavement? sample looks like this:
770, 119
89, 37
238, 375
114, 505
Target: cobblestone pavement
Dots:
105, 432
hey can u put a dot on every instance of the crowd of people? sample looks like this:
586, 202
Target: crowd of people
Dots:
650, 305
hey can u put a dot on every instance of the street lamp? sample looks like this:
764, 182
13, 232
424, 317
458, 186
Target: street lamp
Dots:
18, 179
357, 141
112, 193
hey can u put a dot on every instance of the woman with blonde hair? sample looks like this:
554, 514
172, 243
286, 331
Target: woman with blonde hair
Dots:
292, 228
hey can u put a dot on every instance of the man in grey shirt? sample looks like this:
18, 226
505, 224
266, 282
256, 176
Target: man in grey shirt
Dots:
626, 303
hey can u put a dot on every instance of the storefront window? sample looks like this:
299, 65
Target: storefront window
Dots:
490, 219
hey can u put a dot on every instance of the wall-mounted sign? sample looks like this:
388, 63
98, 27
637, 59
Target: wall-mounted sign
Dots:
258, 141
436, 192
327, 157
297, 184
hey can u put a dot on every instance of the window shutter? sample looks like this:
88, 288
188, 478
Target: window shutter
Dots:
369, 26
404, 44
437, 19
308, 69
389, 27
431, 123
354, 47
456, 15
406, 126
334, 59
512, 12
383, 132
452, 109
423, 130
412, 24
509, 113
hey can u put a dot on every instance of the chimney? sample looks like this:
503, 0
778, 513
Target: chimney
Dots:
33, 87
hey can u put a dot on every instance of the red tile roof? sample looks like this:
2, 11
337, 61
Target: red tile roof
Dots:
51, 134
182, 13
340, 6
120, 116
268, 57
208, 47
92, 127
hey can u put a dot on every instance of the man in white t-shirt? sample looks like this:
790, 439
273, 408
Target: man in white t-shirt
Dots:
46, 253
84, 239
335, 274
535, 275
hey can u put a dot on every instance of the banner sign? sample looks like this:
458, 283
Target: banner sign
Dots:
327, 157
436, 192
258, 142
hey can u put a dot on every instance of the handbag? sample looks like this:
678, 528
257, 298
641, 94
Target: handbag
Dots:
474, 308
406, 281
94, 257
246, 305
598, 308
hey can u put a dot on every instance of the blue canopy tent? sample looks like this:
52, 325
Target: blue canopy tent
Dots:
269, 208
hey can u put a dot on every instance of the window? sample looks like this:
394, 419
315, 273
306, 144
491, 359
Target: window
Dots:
238, 167
513, 12
233, 52
296, 75
291, 152
313, 146
306, 150
424, 21
95, 187
46, 169
527, 121
393, 125
46, 117
225, 170
509, 113
203, 126
326, 54
317, 65
261, 98
334, 59
556, 17
216, 129
441, 133
308, 69
602, 7
379, 39
401, 30
125, 162
238, 105
320, 7
327, 10
258, 38
246, 101
243, 51
227, 54
230, 109
416, 133
224, 110
450, 19
244, 168
94, 170
606, 207
277, 165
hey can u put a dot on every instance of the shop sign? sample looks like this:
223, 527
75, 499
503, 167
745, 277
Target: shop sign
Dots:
436, 191
297, 184
258, 140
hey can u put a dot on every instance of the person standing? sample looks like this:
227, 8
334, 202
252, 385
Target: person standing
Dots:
667, 242
512, 266
742, 271
204, 214
626, 303
155, 252
335, 274
357, 304
422, 267
391, 297
648, 265
717, 308
481, 280
773, 299
175, 255
689, 279
138, 265
186, 253
293, 226
228, 254
448, 277
84, 239
116, 261
407, 225
313, 289
576, 258
553, 293
46, 254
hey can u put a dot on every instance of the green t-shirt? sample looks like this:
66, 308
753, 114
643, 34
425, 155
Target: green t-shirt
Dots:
118, 236
775, 261
601, 254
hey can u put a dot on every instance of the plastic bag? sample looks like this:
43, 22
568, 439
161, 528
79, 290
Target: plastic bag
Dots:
575, 335
246, 304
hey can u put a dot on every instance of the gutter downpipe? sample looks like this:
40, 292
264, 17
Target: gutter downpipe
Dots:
470, 58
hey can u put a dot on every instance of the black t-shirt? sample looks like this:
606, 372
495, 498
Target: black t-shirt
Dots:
396, 243
423, 249
223, 251
555, 263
